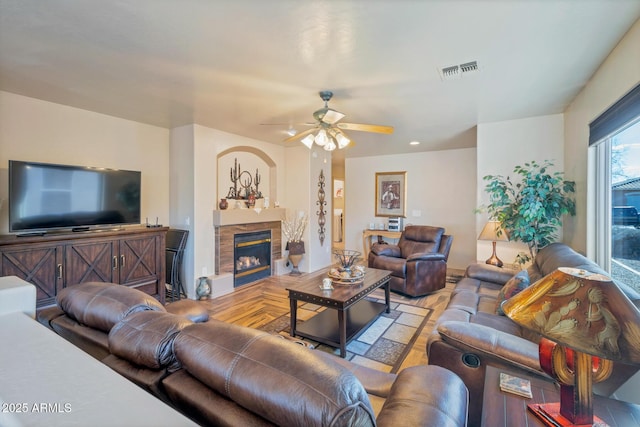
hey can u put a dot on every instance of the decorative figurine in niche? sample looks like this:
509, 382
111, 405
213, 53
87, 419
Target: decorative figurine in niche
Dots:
245, 186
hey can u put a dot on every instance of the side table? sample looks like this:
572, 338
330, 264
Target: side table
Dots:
368, 234
500, 408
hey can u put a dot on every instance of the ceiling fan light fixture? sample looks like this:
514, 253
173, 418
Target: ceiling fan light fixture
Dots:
308, 141
342, 141
330, 146
321, 138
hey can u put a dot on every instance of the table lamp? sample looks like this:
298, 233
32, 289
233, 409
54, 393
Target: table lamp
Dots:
587, 322
494, 232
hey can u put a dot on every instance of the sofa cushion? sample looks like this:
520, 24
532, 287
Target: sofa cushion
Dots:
420, 239
556, 255
386, 250
282, 382
192, 310
499, 323
514, 286
397, 266
468, 284
102, 305
146, 338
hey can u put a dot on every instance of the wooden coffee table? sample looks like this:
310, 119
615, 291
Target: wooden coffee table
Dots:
354, 312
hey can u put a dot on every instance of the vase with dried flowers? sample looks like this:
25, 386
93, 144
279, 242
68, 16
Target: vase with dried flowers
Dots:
293, 226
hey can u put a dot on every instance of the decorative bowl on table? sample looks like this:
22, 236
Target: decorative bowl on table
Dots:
346, 273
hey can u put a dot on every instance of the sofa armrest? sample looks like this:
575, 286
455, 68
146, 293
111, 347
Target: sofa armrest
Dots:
426, 395
490, 273
375, 382
491, 344
386, 250
426, 256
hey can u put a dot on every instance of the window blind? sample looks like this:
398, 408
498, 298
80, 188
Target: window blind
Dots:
619, 115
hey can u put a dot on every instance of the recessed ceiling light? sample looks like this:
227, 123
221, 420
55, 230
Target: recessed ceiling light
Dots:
414, 143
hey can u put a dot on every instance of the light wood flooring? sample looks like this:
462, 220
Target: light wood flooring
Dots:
257, 304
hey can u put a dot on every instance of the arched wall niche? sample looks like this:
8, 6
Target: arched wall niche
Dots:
250, 159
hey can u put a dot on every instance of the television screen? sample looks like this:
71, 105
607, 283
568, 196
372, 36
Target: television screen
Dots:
46, 196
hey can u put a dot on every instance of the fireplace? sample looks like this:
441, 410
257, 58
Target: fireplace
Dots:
252, 255
229, 223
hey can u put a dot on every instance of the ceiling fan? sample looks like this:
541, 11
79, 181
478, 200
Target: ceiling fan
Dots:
327, 131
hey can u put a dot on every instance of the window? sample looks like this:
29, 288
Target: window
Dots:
615, 137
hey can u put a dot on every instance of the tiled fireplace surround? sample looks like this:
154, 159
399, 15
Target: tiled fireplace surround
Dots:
228, 223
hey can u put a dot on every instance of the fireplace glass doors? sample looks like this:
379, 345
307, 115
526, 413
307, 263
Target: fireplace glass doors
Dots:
252, 255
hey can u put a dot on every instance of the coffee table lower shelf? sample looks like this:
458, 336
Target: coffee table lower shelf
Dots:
324, 327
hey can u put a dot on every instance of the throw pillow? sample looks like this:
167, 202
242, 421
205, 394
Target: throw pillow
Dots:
516, 284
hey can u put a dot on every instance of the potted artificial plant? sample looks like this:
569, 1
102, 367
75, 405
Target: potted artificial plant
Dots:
531, 209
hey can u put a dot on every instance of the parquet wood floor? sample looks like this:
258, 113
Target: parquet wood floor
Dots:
257, 304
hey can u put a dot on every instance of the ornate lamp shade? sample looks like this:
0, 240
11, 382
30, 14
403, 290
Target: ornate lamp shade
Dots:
587, 315
494, 232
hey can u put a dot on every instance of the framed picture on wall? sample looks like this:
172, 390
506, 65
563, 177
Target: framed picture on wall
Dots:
391, 194
338, 188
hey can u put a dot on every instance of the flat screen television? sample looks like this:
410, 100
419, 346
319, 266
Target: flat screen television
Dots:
45, 197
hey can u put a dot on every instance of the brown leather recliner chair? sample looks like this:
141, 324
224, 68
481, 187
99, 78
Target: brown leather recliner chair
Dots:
418, 262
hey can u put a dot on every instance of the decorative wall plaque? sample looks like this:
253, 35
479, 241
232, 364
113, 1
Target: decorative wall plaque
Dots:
321, 206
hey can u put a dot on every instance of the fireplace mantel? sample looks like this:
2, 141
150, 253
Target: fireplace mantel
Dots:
246, 216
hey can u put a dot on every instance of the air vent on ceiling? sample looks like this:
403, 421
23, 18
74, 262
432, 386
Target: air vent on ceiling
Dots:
469, 67
455, 72
450, 73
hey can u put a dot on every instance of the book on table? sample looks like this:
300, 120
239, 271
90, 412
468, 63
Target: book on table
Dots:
515, 385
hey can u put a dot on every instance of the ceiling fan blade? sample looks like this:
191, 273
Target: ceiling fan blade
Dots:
366, 128
300, 135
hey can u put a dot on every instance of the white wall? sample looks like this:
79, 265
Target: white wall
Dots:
441, 187
40, 131
303, 169
618, 74
502, 146
181, 191
199, 192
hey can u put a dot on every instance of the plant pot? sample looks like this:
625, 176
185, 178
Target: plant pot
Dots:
296, 250
294, 259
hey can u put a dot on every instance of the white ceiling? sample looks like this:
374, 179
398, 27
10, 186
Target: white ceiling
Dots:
234, 65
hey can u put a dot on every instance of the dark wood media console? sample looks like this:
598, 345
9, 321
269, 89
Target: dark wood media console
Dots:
132, 256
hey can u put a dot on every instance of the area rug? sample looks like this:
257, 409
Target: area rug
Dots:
383, 345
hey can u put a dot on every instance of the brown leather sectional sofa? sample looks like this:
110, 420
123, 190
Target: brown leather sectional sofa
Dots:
222, 374
469, 335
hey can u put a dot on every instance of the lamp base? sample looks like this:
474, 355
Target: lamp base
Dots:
494, 260
549, 414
